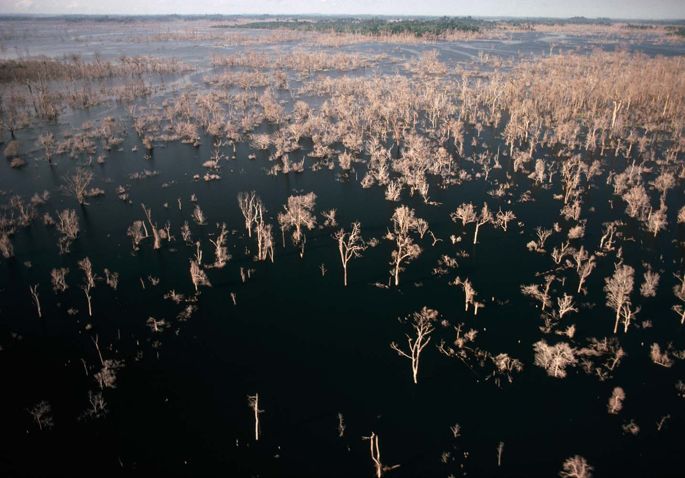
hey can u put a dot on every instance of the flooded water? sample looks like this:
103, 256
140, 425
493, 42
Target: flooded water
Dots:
309, 347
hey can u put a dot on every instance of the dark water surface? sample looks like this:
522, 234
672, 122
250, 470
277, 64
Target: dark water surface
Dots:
308, 346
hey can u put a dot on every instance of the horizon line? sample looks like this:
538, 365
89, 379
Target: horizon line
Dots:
403, 15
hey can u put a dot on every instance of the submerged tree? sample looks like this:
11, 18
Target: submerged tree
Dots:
47, 142
198, 276
585, 264
485, 217
576, 467
41, 413
299, 215
155, 233
350, 244
422, 323
253, 402
58, 279
616, 401
403, 223
618, 288
249, 205
221, 255
378, 466
554, 358
77, 184
36, 300
88, 281
679, 292
67, 225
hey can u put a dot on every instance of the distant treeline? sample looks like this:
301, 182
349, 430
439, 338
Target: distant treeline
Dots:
680, 31
378, 26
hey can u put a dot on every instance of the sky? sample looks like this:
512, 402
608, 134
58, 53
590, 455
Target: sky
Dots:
625, 9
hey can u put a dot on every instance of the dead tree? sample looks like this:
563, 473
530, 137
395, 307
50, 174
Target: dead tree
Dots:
198, 276
137, 232
469, 292
36, 300
485, 217
422, 323
616, 401
221, 255
576, 467
650, 283
538, 293
42, 415
378, 466
465, 213
249, 204
618, 288
565, 305
253, 402
350, 244
6, 247
88, 281
78, 183
679, 292
502, 219
554, 358
606, 242
58, 279
403, 223
47, 142
199, 216
155, 233
67, 225
584, 266
299, 215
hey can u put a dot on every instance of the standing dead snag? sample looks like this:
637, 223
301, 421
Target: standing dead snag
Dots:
67, 225
502, 219
618, 288
403, 223
155, 233
221, 255
198, 276
88, 281
249, 205
78, 185
58, 277
47, 142
36, 300
253, 402
469, 294
585, 264
465, 213
422, 323
616, 401
485, 217
298, 214
536, 292
341, 425
565, 305
350, 244
376, 456
554, 358
500, 450
199, 216
679, 292
576, 467
42, 415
